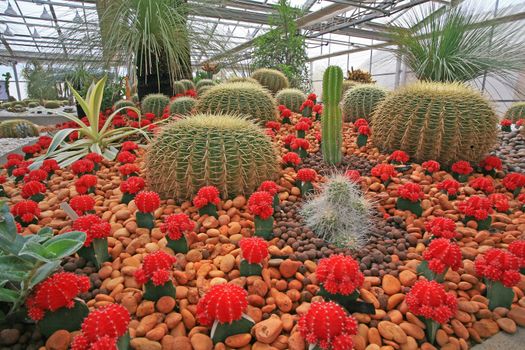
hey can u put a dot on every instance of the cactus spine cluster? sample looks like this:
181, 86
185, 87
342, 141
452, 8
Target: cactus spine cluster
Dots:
18, 128
348, 85
123, 103
291, 98
229, 152
182, 105
242, 80
179, 88
239, 98
361, 100
445, 122
155, 103
515, 112
203, 85
331, 122
188, 84
271, 79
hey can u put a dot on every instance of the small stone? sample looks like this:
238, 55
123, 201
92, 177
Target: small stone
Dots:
227, 263
507, 324
201, 341
407, 278
59, 340
486, 328
296, 342
165, 304
268, 330
391, 285
182, 343
145, 344
194, 255
392, 331
9, 336
517, 314
238, 340
288, 268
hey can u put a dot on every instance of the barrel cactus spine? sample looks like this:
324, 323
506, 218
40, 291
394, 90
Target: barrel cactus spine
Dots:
188, 84
182, 105
155, 103
331, 122
361, 100
18, 128
515, 112
271, 79
179, 88
204, 82
291, 98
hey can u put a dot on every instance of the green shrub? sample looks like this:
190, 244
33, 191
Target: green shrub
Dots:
52, 104
155, 103
360, 101
18, 128
271, 79
229, 152
291, 98
446, 122
339, 213
204, 82
239, 98
188, 84
123, 103
179, 88
182, 105
516, 112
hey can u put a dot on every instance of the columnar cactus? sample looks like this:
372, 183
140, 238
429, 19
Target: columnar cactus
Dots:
188, 84
332, 123
516, 112
445, 122
156, 275
228, 152
18, 128
271, 79
361, 100
182, 105
291, 98
155, 103
239, 98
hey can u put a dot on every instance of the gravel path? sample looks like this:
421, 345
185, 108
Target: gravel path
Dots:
511, 150
9, 145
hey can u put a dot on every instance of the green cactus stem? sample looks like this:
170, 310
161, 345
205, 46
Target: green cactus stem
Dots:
154, 293
431, 328
332, 123
209, 209
413, 207
221, 331
37, 197
306, 112
64, 318
264, 227
361, 140
26, 224
306, 188
127, 197
96, 252
178, 245
506, 128
276, 201
301, 134
123, 342
460, 177
349, 302
145, 220
248, 269
430, 275
482, 224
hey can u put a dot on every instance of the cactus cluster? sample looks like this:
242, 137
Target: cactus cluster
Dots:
239, 98
271, 79
123, 103
445, 122
360, 102
182, 105
339, 214
18, 128
515, 112
331, 122
155, 103
291, 98
188, 84
229, 152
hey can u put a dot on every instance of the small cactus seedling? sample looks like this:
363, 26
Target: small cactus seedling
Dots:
34, 190
206, 200
305, 177
130, 187
174, 227
26, 212
95, 247
273, 189
155, 274
83, 204
147, 202
410, 195
260, 205
222, 307
440, 255
254, 251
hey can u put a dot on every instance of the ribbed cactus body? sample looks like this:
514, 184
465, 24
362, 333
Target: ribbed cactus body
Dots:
515, 112
229, 152
291, 98
182, 105
204, 82
445, 122
178, 88
203, 89
243, 80
52, 104
239, 98
271, 79
331, 121
155, 103
188, 84
361, 100
348, 85
123, 103
18, 128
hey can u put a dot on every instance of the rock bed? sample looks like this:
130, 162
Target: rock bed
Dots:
511, 150
8, 145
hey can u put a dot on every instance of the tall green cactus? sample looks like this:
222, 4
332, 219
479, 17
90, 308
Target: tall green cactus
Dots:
331, 121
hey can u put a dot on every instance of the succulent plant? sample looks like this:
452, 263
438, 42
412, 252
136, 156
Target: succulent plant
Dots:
360, 101
239, 98
156, 275
147, 202
243, 80
359, 76
33, 104
188, 84
18, 128
155, 103
82, 204
52, 104
229, 152
179, 88
331, 122
174, 227
515, 112
339, 214
123, 103
271, 79
206, 200
445, 122
291, 98
348, 85
204, 82
182, 105
203, 89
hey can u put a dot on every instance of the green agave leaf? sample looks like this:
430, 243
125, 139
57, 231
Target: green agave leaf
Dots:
46, 232
7, 224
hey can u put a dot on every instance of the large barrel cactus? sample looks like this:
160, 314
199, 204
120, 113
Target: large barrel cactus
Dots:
18, 128
229, 152
204, 82
349, 84
516, 112
242, 80
123, 103
182, 105
271, 79
331, 122
239, 98
179, 88
446, 122
360, 101
188, 84
291, 98
155, 103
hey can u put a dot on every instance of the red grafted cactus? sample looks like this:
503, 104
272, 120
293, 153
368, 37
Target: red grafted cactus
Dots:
254, 249
291, 159
26, 211
156, 267
327, 325
82, 204
176, 224
44, 141
94, 157
359, 123
206, 195
442, 254
384, 171
518, 249
126, 157
147, 201
36, 175
410, 191
399, 157
514, 181
129, 146
269, 186
339, 274
86, 183
33, 188
449, 186
484, 184
50, 166
132, 185
128, 169
462, 167
430, 300
55, 292
476, 207
431, 166
499, 265
82, 166
500, 202
224, 303
441, 227
353, 175
306, 175
93, 226
490, 163
261, 204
